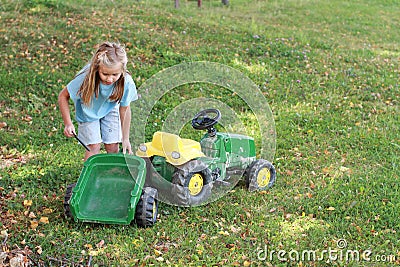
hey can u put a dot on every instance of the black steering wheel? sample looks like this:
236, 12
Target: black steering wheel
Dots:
206, 119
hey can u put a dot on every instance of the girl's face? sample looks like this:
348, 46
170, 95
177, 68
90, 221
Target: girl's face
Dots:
109, 75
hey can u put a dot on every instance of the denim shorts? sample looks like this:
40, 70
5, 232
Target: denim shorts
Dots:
106, 130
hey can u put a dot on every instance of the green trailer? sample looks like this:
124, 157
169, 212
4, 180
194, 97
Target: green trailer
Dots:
111, 190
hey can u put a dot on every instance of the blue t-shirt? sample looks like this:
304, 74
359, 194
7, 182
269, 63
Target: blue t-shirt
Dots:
101, 105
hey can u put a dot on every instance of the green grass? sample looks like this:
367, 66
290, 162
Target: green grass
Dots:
330, 73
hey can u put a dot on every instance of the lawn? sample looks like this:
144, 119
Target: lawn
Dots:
329, 72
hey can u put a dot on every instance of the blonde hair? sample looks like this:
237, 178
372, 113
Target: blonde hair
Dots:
108, 54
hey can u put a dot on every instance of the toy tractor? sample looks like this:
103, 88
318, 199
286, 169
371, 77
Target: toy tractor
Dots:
110, 190
187, 172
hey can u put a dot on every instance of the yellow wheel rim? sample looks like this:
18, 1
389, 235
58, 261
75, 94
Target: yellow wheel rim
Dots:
263, 177
195, 184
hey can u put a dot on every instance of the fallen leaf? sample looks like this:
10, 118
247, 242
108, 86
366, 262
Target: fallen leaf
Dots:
100, 244
34, 225
330, 208
343, 169
27, 118
147, 257
4, 234
325, 170
3, 257
289, 172
19, 261
234, 229
27, 203
93, 253
47, 211
157, 252
44, 220
287, 215
223, 233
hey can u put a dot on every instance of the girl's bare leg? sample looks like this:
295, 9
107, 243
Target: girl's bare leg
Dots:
112, 148
94, 149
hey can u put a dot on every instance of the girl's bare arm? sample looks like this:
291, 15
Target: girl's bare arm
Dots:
125, 117
63, 99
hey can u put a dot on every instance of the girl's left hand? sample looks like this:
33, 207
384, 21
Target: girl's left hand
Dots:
126, 147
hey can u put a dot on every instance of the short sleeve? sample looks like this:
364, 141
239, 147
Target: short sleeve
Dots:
74, 85
130, 92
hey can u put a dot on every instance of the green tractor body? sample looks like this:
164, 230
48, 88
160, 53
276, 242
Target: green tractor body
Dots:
224, 154
229, 152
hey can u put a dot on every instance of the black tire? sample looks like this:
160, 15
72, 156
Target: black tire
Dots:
67, 198
147, 208
260, 175
191, 183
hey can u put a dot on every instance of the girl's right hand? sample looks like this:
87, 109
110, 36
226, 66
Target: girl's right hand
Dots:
69, 130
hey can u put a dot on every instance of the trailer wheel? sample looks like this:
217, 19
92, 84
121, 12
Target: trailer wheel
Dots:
147, 208
67, 198
191, 183
260, 175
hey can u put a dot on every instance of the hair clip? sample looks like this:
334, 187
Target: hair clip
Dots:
101, 54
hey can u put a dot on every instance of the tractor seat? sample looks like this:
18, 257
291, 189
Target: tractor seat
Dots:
176, 150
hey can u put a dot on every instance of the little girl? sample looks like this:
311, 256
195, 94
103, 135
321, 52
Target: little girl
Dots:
102, 92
